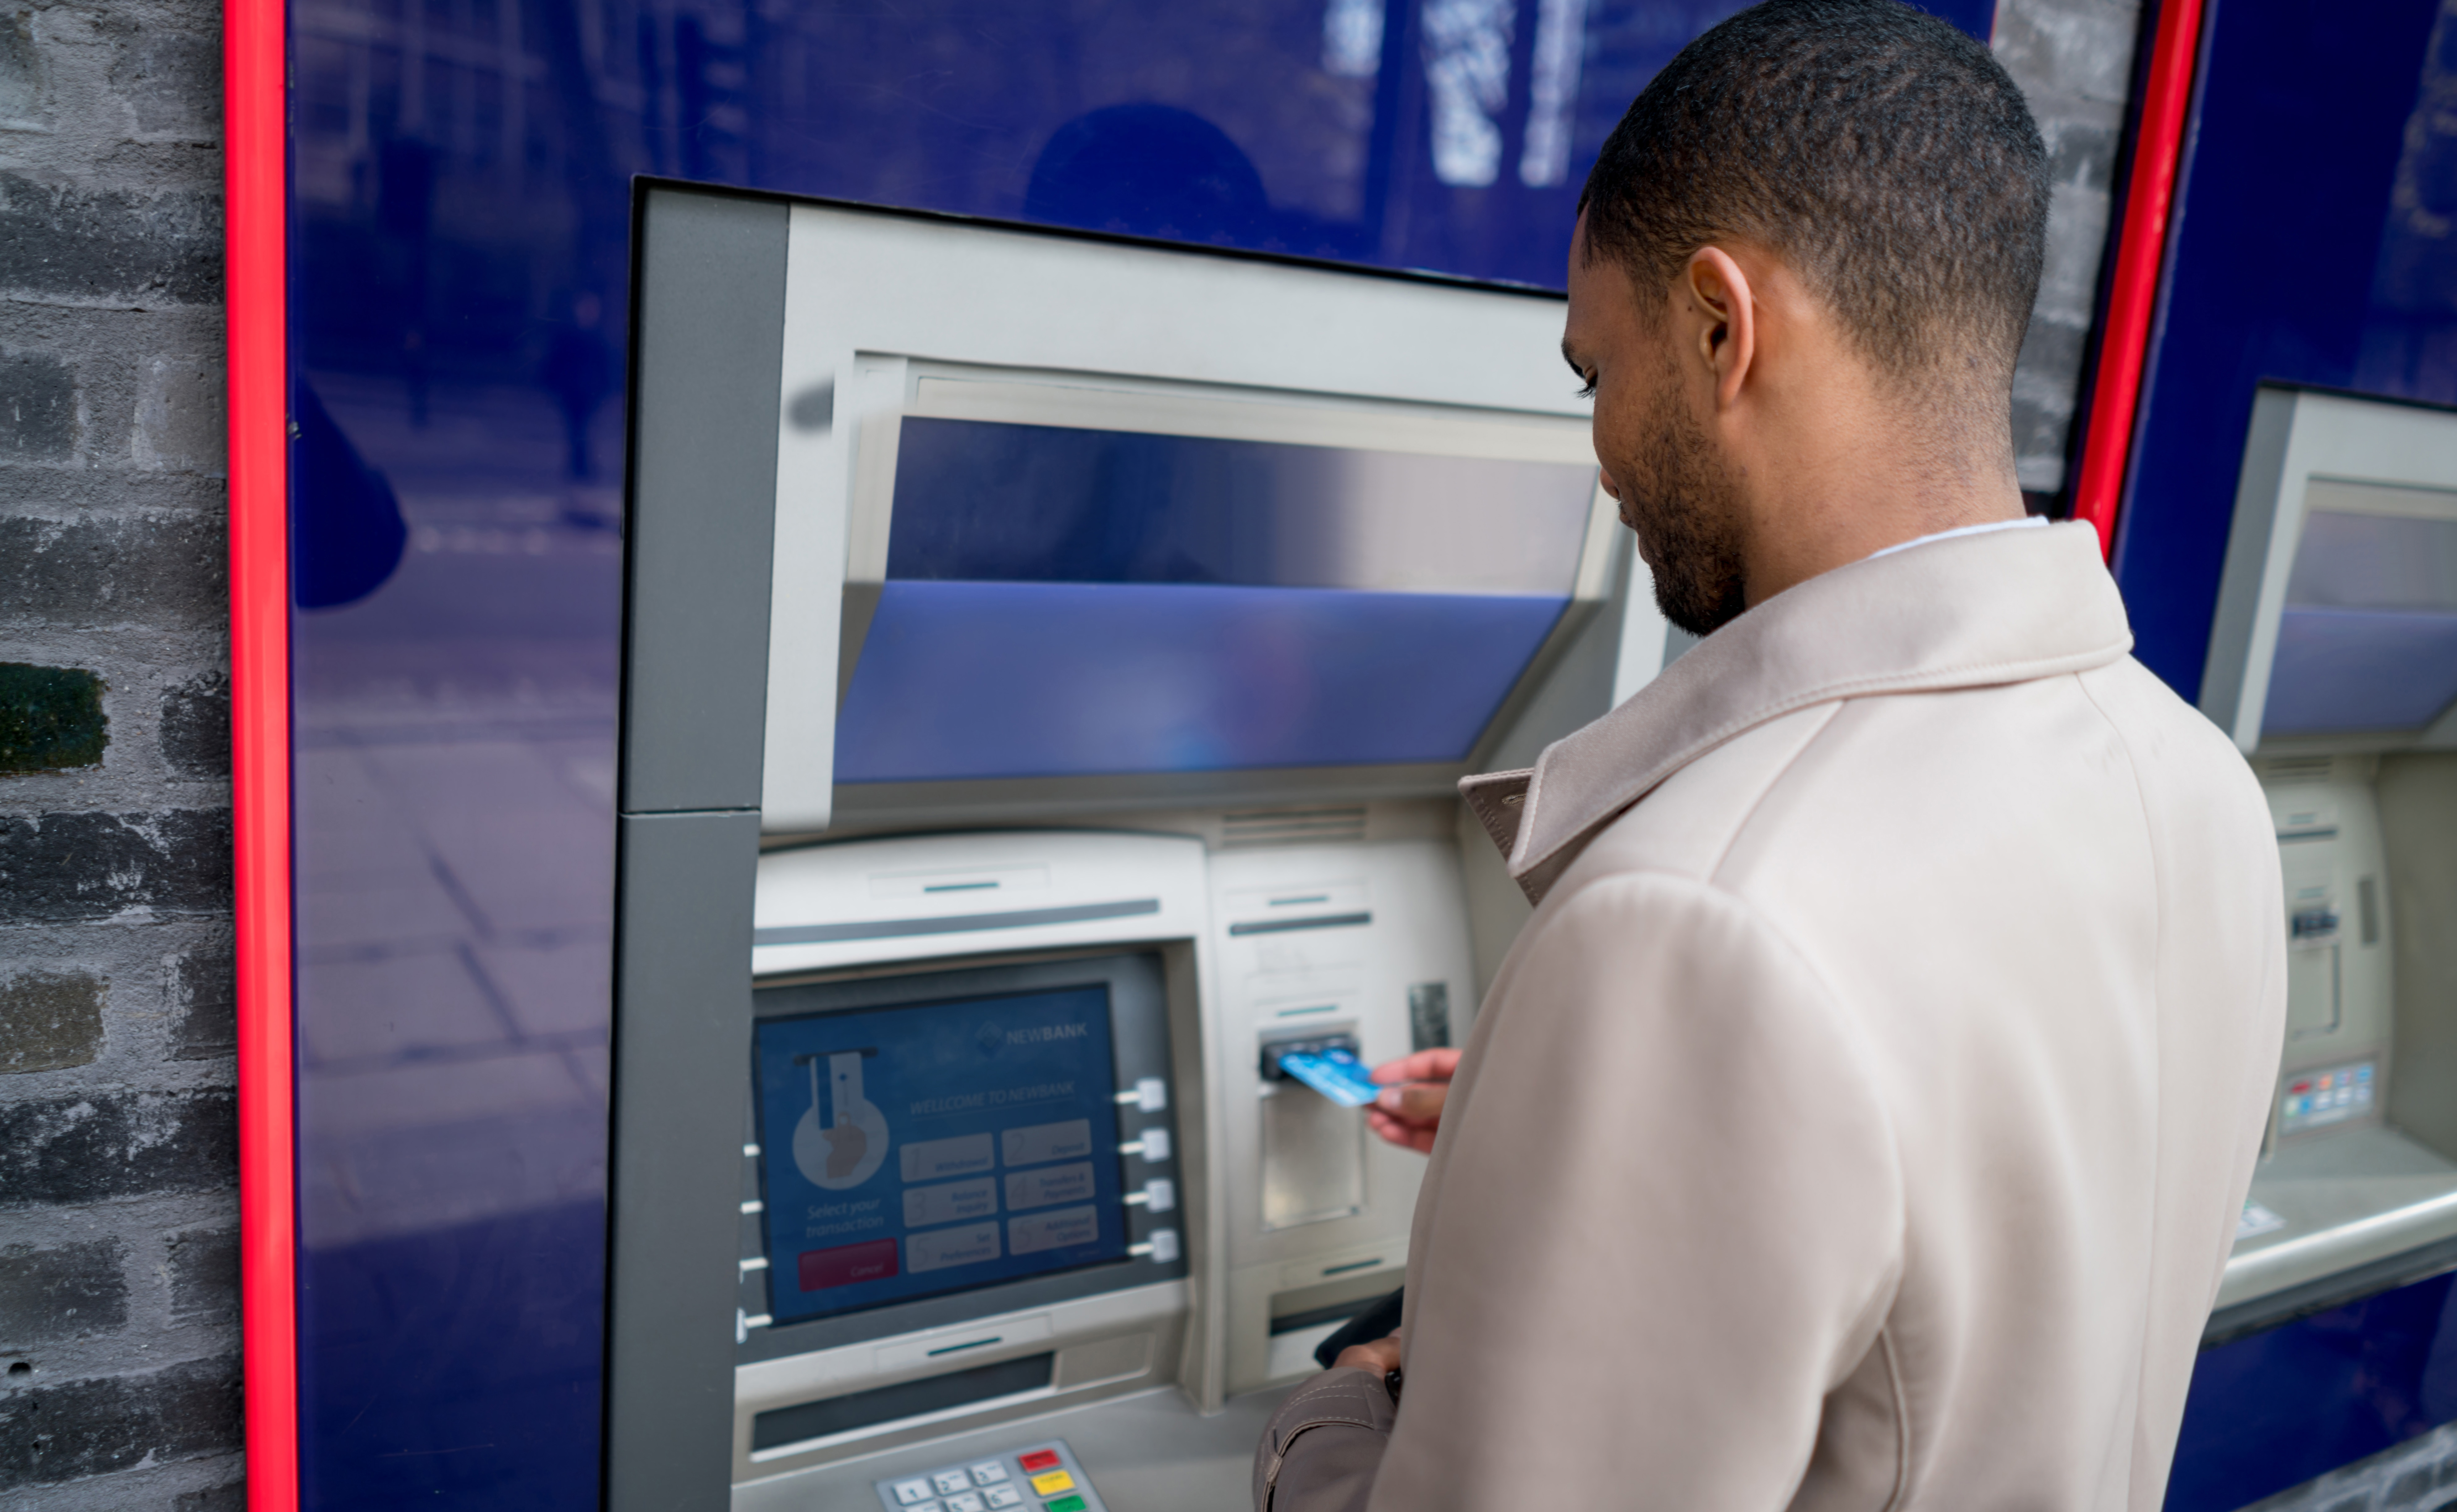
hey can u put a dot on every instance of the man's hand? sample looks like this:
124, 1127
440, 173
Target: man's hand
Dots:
1380, 1355
1411, 1105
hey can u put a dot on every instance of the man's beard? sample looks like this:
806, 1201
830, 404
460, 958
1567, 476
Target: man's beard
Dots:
1685, 507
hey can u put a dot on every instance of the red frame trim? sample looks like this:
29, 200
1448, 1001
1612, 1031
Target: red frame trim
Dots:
2140, 255
256, 209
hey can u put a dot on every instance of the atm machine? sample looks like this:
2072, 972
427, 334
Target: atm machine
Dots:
1049, 663
2334, 666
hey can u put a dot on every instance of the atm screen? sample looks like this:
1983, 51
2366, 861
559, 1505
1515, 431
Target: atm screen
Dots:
924, 1149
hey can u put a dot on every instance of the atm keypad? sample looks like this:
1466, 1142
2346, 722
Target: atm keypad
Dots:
1038, 1478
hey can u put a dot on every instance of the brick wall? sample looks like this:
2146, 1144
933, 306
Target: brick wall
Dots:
2074, 59
118, 1256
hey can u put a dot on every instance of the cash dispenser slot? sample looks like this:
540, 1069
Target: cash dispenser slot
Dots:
1314, 1149
813, 1423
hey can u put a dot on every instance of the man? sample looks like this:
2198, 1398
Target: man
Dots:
1862, 1119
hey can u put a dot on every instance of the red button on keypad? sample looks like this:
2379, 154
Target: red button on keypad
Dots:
1037, 1461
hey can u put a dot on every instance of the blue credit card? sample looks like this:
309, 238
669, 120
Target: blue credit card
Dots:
1336, 1074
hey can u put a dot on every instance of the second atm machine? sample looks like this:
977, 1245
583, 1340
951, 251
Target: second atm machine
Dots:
2334, 665
1049, 662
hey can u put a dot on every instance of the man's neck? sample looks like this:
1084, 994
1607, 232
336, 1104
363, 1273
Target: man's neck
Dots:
1828, 510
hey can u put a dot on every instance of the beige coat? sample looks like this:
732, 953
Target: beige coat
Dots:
1862, 1119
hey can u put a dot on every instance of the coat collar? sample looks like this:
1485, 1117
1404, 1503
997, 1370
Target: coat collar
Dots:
2008, 606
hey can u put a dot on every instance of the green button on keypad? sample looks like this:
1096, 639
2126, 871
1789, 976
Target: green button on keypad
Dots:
1065, 1503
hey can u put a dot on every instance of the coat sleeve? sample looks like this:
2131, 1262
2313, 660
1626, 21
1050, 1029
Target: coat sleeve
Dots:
1663, 1223
1343, 1419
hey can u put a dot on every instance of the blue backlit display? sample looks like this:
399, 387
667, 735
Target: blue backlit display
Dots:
1046, 679
916, 1150
2368, 636
1069, 601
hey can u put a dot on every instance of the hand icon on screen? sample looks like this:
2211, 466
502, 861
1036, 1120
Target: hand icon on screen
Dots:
846, 1145
843, 1150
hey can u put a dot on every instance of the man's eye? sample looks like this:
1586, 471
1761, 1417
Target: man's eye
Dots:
1588, 392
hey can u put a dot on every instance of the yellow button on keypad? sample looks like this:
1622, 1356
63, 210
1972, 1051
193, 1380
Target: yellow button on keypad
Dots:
1050, 1484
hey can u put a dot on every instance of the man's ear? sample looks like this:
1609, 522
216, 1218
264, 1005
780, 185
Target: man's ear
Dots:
1721, 301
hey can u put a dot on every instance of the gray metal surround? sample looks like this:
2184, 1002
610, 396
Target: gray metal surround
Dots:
710, 349
2247, 554
708, 337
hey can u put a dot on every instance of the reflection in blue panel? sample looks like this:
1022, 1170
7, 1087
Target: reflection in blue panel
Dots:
462, 214
1050, 503
2278, 1408
2352, 669
1050, 679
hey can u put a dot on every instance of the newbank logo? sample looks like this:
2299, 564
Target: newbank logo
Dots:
1047, 1032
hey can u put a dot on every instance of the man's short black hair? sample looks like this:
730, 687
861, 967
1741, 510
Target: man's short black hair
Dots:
1882, 154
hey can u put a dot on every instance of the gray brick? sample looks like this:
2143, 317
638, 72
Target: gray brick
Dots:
117, 1144
204, 1000
50, 1020
179, 415
61, 1293
2408, 1488
165, 572
50, 718
196, 725
63, 867
2080, 154
174, 83
204, 1274
82, 1428
231, 1498
24, 92
108, 244
38, 411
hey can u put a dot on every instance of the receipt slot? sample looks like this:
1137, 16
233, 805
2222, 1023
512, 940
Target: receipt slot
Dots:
1049, 663
2334, 666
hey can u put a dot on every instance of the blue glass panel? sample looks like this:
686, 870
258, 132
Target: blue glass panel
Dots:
463, 174
1048, 679
1046, 504
2278, 1408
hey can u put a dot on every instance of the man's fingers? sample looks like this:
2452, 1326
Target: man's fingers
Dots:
1425, 1066
1417, 1103
1379, 1355
1405, 1136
